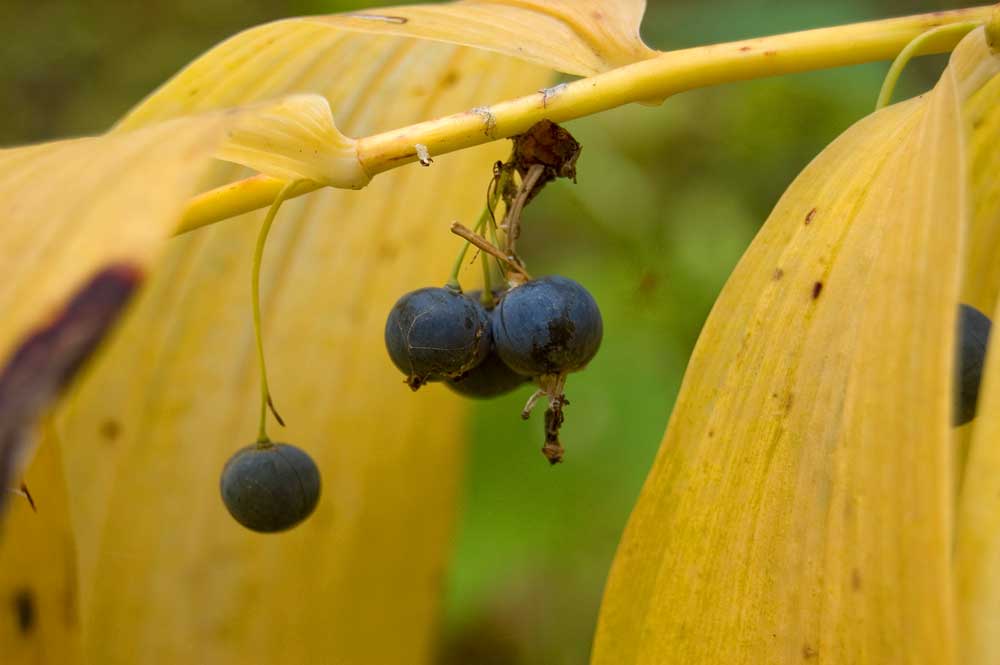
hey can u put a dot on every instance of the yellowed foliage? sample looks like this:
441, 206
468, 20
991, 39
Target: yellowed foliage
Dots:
296, 139
38, 576
801, 508
70, 208
582, 37
977, 555
164, 574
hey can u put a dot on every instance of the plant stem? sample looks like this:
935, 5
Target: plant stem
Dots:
913, 49
655, 79
258, 254
485, 246
513, 216
460, 259
487, 298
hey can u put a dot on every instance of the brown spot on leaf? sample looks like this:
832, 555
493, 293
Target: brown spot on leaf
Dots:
778, 274
817, 289
386, 251
25, 612
110, 429
769, 53
808, 652
856, 579
746, 48
450, 78
810, 215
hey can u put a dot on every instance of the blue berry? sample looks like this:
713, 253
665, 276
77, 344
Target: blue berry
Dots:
269, 487
491, 377
436, 333
973, 334
548, 326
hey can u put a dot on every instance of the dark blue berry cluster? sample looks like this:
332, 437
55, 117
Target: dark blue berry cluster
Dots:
538, 331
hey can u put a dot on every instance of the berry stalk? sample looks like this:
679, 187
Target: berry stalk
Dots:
258, 254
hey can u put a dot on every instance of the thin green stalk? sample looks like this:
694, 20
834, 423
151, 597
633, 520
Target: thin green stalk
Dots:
258, 254
955, 30
460, 259
487, 298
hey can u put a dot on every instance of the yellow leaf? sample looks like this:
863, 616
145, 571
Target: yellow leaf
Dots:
296, 139
581, 37
801, 507
151, 528
38, 575
977, 555
73, 207
165, 575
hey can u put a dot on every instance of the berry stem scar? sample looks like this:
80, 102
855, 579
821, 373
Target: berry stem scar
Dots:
265, 394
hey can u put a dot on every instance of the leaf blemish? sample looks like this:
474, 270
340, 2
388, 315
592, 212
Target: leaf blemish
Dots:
810, 215
423, 155
400, 20
110, 429
449, 79
24, 610
549, 93
746, 48
817, 289
778, 274
489, 121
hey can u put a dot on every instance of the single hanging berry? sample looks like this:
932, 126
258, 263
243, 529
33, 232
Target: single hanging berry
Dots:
270, 487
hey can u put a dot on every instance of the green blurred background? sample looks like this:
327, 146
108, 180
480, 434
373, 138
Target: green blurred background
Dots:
668, 198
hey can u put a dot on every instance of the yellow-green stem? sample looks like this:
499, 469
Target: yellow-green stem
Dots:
258, 255
657, 78
460, 259
487, 298
912, 50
